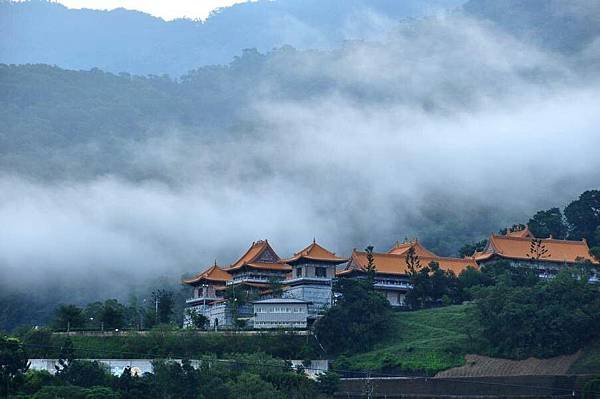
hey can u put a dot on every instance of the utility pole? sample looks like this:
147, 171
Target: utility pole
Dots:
156, 307
368, 387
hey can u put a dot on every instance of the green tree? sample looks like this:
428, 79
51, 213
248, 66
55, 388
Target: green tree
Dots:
36, 380
251, 386
133, 387
199, 321
583, 217
371, 268
86, 374
92, 313
61, 392
512, 229
413, 262
176, 380
112, 314
328, 382
548, 223
550, 318
68, 317
346, 326
472, 277
502, 272
66, 357
13, 364
101, 393
469, 249
537, 249
160, 308
431, 285
595, 252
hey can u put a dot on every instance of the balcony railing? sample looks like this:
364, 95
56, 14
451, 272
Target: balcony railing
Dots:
254, 279
319, 279
200, 299
392, 285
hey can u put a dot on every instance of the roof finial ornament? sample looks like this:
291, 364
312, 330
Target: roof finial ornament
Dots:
215, 261
314, 240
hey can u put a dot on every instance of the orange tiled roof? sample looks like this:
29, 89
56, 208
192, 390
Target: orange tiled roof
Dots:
511, 247
214, 273
316, 252
525, 233
270, 266
402, 249
260, 255
396, 264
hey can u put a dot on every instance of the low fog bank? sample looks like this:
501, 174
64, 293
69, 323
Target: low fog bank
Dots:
447, 131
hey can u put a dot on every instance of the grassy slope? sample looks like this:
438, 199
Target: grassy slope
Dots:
427, 340
589, 362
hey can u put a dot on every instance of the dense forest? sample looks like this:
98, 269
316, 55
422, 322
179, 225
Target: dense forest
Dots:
47, 32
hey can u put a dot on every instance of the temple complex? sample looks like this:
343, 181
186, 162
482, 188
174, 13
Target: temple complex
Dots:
258, 267
546, 255
292, 292
311, 279
391, 277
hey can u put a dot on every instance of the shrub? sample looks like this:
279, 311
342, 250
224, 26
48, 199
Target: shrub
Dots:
61, 392
547, 319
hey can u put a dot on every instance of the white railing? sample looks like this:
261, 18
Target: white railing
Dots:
295, 279
390, 284
200, 299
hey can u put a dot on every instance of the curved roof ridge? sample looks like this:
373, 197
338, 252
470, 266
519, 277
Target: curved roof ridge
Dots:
214, 273
252, 254
557, 240
315, 251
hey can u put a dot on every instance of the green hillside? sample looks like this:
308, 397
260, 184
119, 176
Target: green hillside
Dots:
589, 361
427, 341
432, 340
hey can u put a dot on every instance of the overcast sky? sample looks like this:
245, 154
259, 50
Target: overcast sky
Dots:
167, 9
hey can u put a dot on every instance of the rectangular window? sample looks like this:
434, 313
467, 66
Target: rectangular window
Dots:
320, 272
298, 272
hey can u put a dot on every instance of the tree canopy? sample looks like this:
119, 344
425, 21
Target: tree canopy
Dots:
546, 319
346, 326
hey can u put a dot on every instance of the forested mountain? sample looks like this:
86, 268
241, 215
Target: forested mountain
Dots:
130, 41
566, 26
38, 31
445, 128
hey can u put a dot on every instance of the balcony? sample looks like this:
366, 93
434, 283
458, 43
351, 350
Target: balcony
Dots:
254, 278
392, 285
319, 280
200, 300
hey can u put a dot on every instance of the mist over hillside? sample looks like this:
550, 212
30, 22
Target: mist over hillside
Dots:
134, 42
446, 128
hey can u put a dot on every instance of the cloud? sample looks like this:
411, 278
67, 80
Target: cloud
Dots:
449, 126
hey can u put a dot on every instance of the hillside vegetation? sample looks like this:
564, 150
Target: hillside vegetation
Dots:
48, 32
171, 344
429, 341
423, 341
589, 361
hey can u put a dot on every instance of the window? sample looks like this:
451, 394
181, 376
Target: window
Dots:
298, 272
320, 272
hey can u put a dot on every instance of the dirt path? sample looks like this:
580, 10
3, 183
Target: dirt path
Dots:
483, 366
